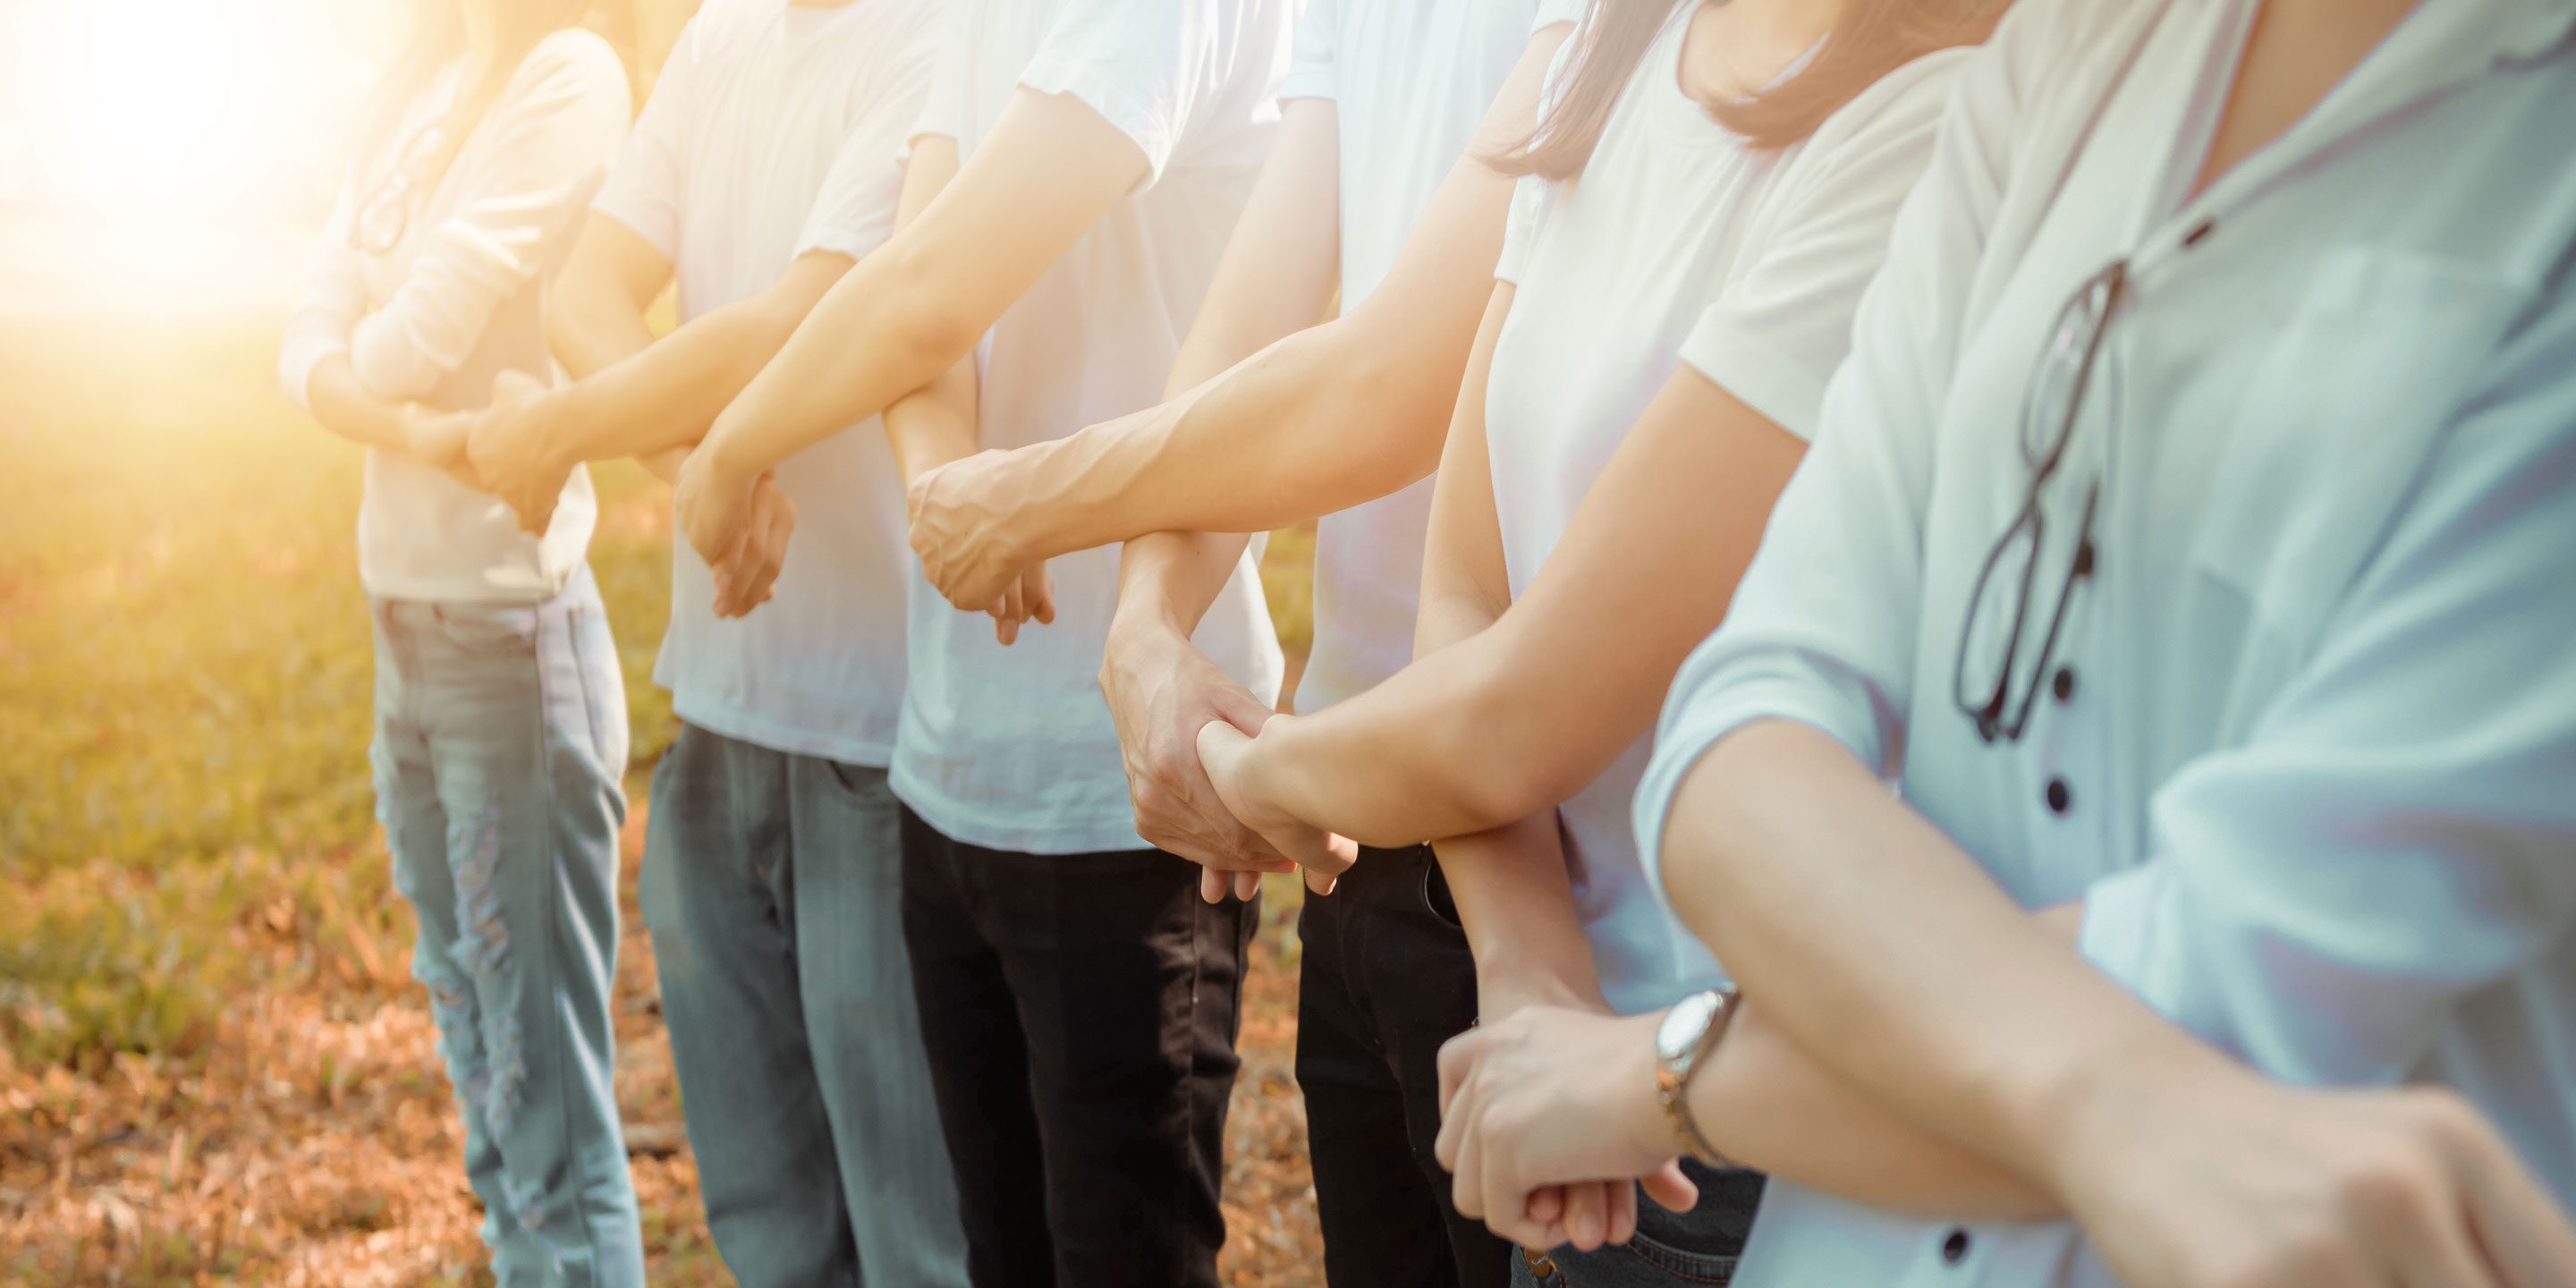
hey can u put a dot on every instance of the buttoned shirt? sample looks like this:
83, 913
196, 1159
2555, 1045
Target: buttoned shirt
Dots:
2306, 742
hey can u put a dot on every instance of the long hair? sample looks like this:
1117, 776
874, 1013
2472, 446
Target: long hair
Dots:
1869, 40
438, 35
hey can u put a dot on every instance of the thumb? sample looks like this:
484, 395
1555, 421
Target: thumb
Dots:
1239, 707
1667, 1186
1220, 746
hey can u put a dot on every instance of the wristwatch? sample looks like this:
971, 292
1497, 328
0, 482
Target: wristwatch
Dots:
1682, 1042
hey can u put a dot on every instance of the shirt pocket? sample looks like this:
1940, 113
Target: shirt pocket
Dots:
2344, 413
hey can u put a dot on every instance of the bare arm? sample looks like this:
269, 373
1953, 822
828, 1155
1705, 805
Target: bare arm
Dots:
1319, 421
1048, 171
1276, 278
595, 316
1517, 717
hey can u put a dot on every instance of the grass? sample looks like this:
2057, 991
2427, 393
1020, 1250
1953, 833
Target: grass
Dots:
213, 1067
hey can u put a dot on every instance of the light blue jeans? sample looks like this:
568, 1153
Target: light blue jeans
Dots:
500, 736
773, 889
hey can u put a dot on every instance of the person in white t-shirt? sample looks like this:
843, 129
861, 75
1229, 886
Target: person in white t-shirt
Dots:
1374, 187
500, 714
1706, 197
1088, 158
2186, 540
762, 168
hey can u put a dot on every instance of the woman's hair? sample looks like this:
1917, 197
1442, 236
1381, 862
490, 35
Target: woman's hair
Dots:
438, 35
1869, 40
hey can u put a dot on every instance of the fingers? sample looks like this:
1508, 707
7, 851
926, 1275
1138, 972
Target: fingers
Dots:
1037, 593
1211, 886
1246, 885
1239, 707
2513, 1224
1587, 1215
1457, 1060
1325, 868
1623, 1212
1669, 1188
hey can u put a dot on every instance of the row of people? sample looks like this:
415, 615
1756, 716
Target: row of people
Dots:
2139, 433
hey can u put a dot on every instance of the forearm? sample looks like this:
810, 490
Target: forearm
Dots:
342, 405
1886, 953
884, 330
593, 330
935, 424
665, 393
1516, 903
1168, 580
1764, 1104
1303, 428
1441, 748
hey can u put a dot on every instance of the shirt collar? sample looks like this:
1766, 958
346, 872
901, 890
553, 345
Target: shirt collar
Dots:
2438, 47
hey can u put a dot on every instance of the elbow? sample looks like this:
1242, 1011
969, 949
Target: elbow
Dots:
935, 323
1401, 424
1506, 766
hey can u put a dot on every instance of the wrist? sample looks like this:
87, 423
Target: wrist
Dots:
1146, 616
2094, 1113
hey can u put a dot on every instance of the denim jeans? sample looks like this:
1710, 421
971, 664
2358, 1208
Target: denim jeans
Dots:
500, 737
772, 887
1080, 1011
1698, 1247
1386, 978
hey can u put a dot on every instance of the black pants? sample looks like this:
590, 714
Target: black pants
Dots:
1080, 1013
1386, 979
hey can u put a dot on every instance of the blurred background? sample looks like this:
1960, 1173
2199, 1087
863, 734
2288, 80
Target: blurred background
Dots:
214, 1067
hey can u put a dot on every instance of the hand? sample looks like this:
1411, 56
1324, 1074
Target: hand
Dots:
1548, 1125
1232, 763
437, 439
2229, 1180
713, 502
1029, 597
1161, 688
746, 581
960, 527
514, 449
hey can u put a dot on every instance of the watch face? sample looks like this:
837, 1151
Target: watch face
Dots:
1683, 1024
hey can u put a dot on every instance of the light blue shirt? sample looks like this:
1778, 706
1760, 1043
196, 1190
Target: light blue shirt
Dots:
2313, 765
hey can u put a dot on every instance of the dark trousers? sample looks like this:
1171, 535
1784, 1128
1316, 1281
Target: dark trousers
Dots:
1080, 1013
1386, 979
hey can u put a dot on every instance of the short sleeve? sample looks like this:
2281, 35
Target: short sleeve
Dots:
948, 101
643, 190
1782, 324
1316, 70
854, 211
1133, 62
1822, 630
1552, 12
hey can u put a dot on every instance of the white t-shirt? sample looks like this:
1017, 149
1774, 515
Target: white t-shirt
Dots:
1678, 244
1410, 80
1012, 748
773, 132
453, 299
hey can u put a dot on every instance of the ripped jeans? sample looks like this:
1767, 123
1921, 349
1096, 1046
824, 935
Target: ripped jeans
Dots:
500, 737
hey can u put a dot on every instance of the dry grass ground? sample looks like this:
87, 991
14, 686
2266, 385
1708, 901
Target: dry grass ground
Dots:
213, 1066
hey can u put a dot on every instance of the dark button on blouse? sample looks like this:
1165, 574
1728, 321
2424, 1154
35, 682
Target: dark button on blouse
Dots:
1955, 1247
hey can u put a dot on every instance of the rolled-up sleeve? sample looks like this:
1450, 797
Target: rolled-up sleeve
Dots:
1822, 628
541, 157
2399, 830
